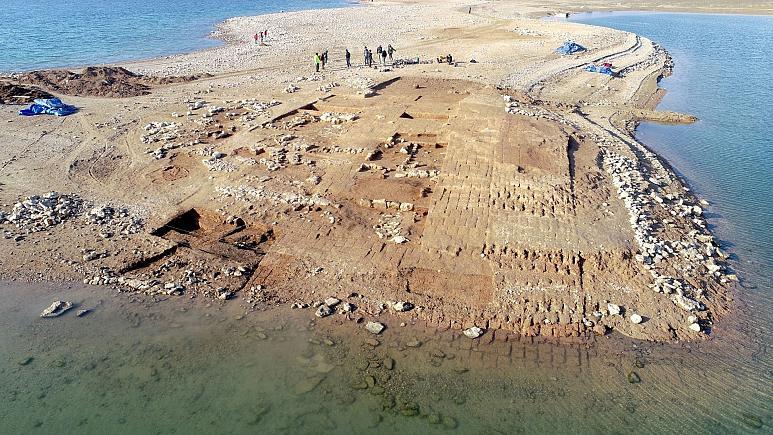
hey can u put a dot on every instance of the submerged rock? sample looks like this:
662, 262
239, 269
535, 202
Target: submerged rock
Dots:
751, 420
633, 377
389, 363
56, 309
449, 422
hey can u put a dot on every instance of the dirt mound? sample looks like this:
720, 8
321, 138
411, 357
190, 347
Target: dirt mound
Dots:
11, 93
115, 82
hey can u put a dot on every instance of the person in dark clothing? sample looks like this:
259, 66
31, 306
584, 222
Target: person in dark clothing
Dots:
449, 59
390, 51
365, 55
322, 59
370, 58
378, 51
325, 56
348, 58
383, 57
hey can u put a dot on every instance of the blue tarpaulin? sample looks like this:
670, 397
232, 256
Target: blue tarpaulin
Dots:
48, 106
570, 47
600, 69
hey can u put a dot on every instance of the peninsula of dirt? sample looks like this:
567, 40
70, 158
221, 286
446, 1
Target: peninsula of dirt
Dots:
501, 191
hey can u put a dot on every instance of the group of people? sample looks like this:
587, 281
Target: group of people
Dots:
383, 53
260, 37
321, 59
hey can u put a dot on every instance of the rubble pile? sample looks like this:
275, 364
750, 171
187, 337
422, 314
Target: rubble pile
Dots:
388, 227
114, 220
338, 118
515, 108
37, 213
659, 56
250, 194
688, 256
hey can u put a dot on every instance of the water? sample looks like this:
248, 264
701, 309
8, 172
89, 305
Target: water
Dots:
136, 365
722, 76
47, 33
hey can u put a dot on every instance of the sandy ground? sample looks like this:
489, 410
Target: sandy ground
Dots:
504, 191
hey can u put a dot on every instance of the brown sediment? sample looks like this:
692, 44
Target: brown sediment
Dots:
11, 93
103, 81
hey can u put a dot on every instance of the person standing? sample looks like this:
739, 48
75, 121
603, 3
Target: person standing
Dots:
365, 55
256, 39
317, 61
325, 58
390, 51
348, 58
379, 50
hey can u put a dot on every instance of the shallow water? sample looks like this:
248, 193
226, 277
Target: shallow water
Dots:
47, 33
138, 366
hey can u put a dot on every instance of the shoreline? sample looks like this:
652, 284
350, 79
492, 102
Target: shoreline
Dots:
539, 321
220, 32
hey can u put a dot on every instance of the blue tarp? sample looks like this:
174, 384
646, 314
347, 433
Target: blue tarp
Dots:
600, 69
570, 47
48, 106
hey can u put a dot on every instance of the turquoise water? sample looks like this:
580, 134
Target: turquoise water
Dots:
54, 33
723, 76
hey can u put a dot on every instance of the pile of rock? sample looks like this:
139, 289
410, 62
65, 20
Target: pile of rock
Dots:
114, 220
218, 164
383, 204
388, 227
37, 213
160, 131
416, 173
338, 118
249, 194
683, 255
658, 56
515, 108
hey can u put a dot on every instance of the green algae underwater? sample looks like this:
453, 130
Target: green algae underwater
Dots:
140, 365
